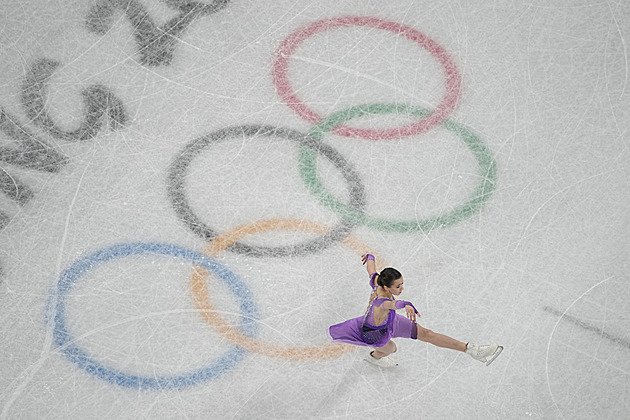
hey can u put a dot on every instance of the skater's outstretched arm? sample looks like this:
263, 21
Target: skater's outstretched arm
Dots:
368, 259
410, 310
370, 263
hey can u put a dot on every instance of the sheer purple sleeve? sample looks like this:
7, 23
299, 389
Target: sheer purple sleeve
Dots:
372, 277
400, 304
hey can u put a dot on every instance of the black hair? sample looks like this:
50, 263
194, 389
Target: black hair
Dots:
387, 277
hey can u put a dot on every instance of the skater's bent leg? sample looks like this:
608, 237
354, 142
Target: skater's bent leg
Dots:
439, 340
386, 350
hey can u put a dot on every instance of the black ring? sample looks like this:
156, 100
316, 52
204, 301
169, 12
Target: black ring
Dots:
179, 167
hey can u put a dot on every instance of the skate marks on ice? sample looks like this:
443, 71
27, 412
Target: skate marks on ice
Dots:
592, 368
623, 342
156, 44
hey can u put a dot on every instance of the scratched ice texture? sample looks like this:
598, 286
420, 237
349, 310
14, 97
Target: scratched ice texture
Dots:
185, 194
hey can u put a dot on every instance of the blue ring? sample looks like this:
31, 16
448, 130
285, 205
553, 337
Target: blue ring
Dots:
78, 356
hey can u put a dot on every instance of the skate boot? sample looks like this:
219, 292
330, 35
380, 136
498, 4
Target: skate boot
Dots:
485, 353
385, 362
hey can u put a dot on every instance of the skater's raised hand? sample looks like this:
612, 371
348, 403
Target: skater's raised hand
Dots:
411, 313
370, 265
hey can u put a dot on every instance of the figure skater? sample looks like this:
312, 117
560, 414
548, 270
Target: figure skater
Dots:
381, 323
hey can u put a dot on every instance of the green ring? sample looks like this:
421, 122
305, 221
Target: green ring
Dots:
487, 172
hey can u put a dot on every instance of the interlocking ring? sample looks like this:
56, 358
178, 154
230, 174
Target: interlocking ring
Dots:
351, 212
485, 162
286, 49
177, 194
198, 282
73, 352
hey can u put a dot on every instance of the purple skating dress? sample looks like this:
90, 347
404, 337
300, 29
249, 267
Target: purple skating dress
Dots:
362, 331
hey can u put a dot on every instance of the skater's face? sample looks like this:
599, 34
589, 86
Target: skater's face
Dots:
396, 288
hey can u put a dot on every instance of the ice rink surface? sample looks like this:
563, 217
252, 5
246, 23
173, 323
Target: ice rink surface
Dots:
186, 189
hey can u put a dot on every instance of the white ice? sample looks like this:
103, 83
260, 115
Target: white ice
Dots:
541, 268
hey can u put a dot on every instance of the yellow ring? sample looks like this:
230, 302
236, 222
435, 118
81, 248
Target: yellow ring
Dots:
198, 283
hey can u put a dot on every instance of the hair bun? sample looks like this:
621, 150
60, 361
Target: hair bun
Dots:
388, 276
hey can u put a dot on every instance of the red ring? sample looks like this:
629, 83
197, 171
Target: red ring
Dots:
292, 42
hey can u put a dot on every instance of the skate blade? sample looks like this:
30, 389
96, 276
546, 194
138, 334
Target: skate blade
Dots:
495, 355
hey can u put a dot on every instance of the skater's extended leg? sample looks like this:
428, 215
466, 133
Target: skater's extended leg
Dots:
439, 340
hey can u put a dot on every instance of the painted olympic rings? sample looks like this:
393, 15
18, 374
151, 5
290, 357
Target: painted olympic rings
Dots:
68, 344
485, 162
351, 213
286, 49
198, 282
177, 194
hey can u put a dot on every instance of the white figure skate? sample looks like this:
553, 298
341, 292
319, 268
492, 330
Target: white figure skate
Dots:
485, 353
385, 362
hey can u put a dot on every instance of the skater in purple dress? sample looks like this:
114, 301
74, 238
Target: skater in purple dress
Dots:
381, 323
